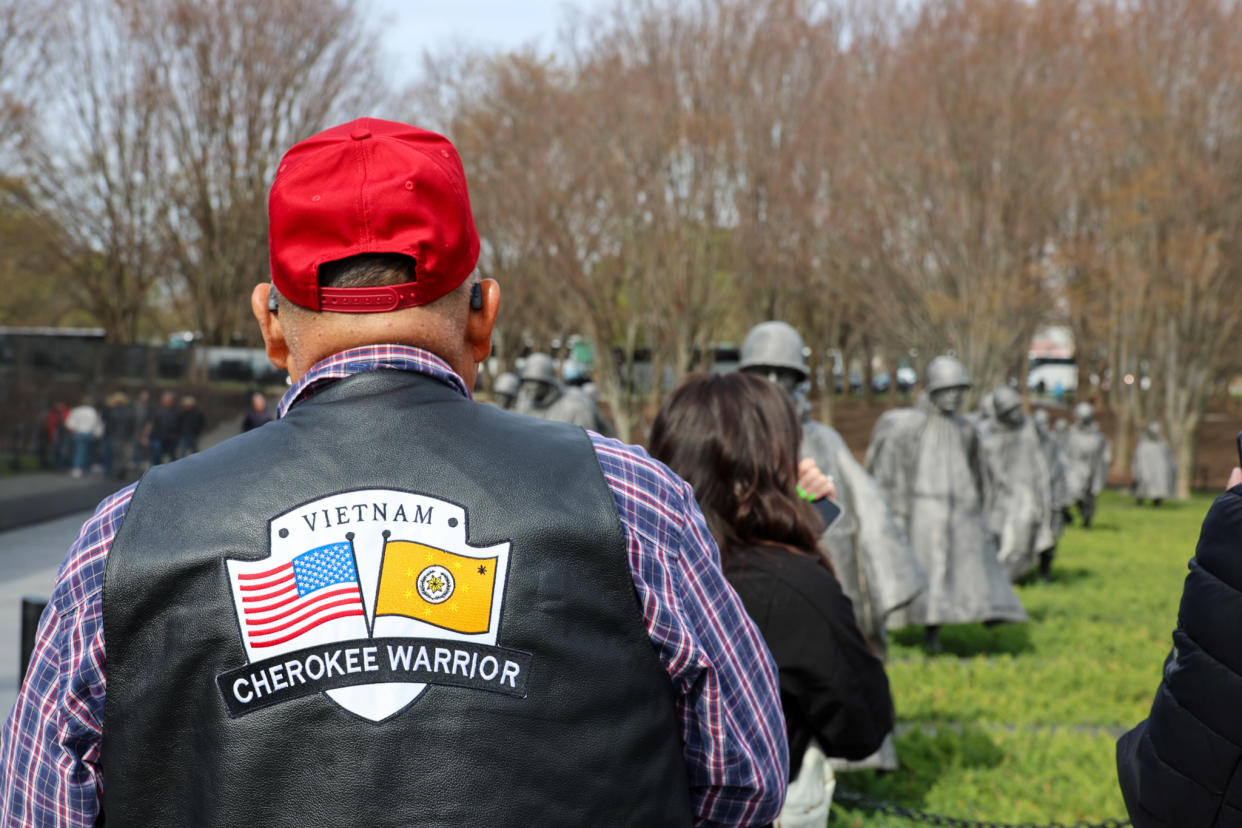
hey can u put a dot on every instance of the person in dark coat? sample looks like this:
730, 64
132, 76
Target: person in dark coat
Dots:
190, 424
735, 438
258, 414
119, 430
161, 430
1181, 765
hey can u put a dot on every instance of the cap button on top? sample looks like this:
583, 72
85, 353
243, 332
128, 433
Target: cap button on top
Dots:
360, 134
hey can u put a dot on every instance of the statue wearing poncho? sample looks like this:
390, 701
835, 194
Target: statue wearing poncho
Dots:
1087, 457
1019, 499
869, 551
926, 459
1155, 470
1054, 457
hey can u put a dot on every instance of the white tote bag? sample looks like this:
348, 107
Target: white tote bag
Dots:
810, 795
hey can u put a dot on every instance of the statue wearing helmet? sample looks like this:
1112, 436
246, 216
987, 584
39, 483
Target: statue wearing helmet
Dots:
927, 460
543, 395
870, 553
1154, 468
1019, 498
775, 350
1054, 455
505, 389
1087, 458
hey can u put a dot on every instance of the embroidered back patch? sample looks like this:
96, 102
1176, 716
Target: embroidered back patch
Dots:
369, 597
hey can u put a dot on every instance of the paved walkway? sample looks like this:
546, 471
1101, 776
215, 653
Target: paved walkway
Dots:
40, 514
29, 558
34, 497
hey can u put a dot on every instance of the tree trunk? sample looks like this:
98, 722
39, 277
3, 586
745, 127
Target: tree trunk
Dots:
868, 372
1182, 436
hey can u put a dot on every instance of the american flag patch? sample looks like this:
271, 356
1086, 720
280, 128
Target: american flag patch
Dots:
290, 600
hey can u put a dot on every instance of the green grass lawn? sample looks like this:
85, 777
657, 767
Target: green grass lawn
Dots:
1019, 722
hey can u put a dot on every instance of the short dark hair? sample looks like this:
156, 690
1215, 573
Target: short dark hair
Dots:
734, 438
368, 270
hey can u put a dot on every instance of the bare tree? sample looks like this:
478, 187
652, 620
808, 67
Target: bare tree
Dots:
94, 170
238, 83
959, 145
22, 46
160, 130
1152, 212
506, 115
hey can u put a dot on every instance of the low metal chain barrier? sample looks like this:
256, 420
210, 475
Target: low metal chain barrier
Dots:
914, 815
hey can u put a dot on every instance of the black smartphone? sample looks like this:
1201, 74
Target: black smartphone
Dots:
1240, 448
830, 511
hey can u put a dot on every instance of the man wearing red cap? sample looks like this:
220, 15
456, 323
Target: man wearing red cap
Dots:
393, 606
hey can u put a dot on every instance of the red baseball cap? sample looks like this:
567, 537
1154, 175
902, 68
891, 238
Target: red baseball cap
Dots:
370, 186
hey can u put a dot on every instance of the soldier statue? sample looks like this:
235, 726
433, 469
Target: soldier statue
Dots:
1060, 432
983, 417
1054, 455
927, 461
505, 389
868, 549
543, 395
870, 553
1155, 470
1087, 457
603, 424
1019, 500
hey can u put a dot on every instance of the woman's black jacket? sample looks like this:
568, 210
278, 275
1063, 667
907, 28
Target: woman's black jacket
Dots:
833, 687
1181, 765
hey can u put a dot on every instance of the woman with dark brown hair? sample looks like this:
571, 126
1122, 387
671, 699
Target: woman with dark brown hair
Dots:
735, 437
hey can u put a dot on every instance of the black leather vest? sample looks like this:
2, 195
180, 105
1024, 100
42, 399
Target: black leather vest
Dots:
578, 729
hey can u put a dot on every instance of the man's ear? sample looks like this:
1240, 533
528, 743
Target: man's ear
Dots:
480, 322
269, 325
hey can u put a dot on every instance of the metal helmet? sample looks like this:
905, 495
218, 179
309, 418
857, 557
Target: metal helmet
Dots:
539, 368
946, 372
506, 384
1153, 430
1083, 412
1005, 399
1041, 417
773, 345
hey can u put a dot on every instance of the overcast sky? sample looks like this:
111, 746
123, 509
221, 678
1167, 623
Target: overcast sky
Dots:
411, 26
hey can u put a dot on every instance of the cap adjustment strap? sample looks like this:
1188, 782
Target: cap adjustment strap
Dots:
370, 299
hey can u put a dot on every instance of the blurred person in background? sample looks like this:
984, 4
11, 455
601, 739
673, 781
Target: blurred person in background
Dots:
139, 455
119, 429
62, 440
258, 414
49, 425
190, 424
735, 439
85, 426
160, 435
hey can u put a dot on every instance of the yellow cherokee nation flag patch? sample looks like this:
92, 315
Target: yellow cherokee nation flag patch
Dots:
442, 588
